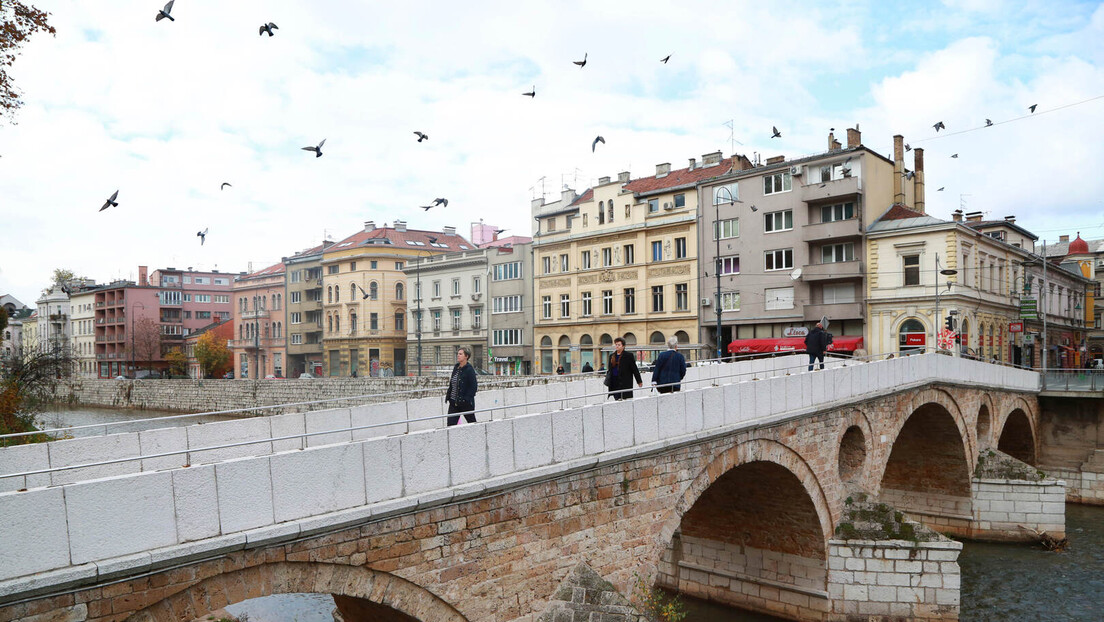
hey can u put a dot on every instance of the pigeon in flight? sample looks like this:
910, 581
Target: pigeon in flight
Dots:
432, 240
111, 202
776, 133
532, 93
754, 209
224, 185
581, 63
362, 291
500, 231
665, 59
317, 150
269, 27
164, 13
941, 189
1032, 108
202, 236
909, 175
939, 126
954, 155
436, 202
907, 147
988, 122
421, 136
594, 145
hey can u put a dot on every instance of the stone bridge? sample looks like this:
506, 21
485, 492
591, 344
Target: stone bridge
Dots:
813, 496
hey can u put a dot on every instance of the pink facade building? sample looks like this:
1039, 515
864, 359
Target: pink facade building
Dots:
259, 347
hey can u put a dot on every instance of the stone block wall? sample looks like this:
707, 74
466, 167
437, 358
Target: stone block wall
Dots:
1002, 506
896, 578
948, 514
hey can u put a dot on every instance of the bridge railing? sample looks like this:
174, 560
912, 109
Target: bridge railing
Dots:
1088, 380
138, 521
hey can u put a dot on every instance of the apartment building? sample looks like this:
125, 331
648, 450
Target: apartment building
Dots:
190, 300
510, 305
54, 329
127, 331
259, 348
82, 303
448, 310
304, 311
223, 331
1087, 257
365, 308
782, 245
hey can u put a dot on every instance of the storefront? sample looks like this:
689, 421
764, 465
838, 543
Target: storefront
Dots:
844, 345
509, 366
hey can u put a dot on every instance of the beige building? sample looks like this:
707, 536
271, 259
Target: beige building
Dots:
620, 260
304, 311
365, 306
83, 306
450, 301
259, 347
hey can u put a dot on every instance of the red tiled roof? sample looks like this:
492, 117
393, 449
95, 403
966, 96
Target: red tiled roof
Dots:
399, 239
269, 271
584, 197
900, 212
683, 176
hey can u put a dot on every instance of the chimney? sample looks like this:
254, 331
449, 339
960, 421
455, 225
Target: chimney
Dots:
448, 230
956, 215
831, 140
663, 170
369, 225
603, 181
693, 163
776, 160
623, 177
898, 169
973, 216
400, 226
567, 197
1062, 239
1010, 220
711, 159
918, 178
854, 136
143, 278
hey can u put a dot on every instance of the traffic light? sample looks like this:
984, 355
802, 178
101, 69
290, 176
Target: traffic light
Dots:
949, 323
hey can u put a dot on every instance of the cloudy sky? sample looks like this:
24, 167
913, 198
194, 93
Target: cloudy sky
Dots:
167, 111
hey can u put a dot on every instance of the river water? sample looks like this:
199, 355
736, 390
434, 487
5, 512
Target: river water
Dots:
122, 420
999, 582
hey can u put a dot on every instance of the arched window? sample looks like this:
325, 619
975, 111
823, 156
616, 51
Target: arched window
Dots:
264, 302
398, 291
682, 337
352, 291
329, 294
630, 339
601, 212
912, 336
400, 321
373, 290
337, 323
266, 331
329, 323
241, 332
657, 337
337, 294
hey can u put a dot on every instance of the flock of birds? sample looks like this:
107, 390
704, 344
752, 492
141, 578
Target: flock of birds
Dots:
166, 13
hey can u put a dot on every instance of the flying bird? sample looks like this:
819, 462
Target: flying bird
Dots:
665, 59
907, 147
988, 122
954, 155
421, 136
909, 175
532, 93
754, 209
432, 240
939, 126
776, 134
594, 145
111, 202
941, 189
435, 203
366, 295
164, 13
1032, 108
269, 27
224, 184
202, 236
581, 63
500, 231
317, 150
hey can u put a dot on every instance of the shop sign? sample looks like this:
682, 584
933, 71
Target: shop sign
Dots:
1015, 327
915, 339
1029, 309
795, 331
501, 359
1029, 339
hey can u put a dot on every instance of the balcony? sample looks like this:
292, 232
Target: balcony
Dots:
249, 344
835, 230
840, 270
834, 311
254, 315
837, 189
58, 317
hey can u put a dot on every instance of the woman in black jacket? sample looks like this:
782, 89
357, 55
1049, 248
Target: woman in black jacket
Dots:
461, 388
621, 371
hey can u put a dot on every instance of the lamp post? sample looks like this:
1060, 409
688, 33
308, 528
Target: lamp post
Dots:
717, 258
130, 332
944, 272
1039, 303
418, 292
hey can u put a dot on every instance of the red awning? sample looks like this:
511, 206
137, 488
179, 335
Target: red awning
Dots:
794, 344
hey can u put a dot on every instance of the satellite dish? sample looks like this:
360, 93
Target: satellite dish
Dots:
796, 274
824, 322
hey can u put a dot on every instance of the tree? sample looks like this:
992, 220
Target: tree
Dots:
145, 342
213, 356
3, 318
63, 276
18, 22
25, 385
178, 363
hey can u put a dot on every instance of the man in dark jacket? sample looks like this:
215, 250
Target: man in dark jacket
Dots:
461, 388
669, 368
816, 342
621, 371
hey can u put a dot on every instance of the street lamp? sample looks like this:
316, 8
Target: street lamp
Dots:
1034, 261
935, 324
418, 293
717, 258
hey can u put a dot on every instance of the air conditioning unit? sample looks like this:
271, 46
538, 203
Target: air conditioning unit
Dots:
668, 206
705, 302
476, 296
796, 171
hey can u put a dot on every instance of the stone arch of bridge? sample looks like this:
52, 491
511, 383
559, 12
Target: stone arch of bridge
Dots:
855, 418
951, 404
1029, 409
365, 593
983, 425
1018, 437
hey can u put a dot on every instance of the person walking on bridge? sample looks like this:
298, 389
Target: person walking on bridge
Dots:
669, 368
461, 389
621, 371
816, 342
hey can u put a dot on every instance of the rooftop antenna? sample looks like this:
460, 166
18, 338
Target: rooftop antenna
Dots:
962, 201
732, 142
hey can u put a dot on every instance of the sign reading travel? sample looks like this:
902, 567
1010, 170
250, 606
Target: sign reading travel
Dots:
1028, 309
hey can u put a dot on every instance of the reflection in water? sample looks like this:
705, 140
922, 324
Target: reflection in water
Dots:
286, 608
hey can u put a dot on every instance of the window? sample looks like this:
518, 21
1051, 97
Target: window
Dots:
334, 269
353, 322
730, 265
838, 293
352, 266
170, 298
680, 200
609, 210
373, 291
399, 321
337, 294
601, 212
728, 193
779, 298
682, 297
296, 339
436, 289
781, 259
551, 224
653, 206
587, 304
417, 291
546, 264
912, 269
563, 263
778, 221
657, 298
728, 228
506, 304
680, 248
779, 182
841, 211
506, 337
296, 318
456, 287
477, 285
730, 301
584, 260
399, 265
507, 271
584, 219
630, 254
436, 321
295, 297
835, 253
657, 251
373, 321
221, 281
565, 305
374, 264
187, 298
477, 318
352, 291
630, 300
399, 291
546, 307
607, 302
607, 257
